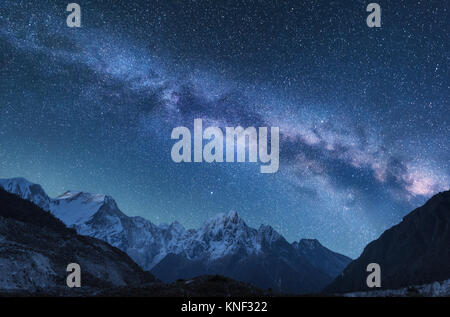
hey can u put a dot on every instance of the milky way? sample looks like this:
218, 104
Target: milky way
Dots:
363, 112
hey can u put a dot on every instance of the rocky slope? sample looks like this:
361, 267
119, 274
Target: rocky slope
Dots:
416, 251
35, 249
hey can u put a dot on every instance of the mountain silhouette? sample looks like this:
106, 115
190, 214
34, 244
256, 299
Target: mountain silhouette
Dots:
415, 251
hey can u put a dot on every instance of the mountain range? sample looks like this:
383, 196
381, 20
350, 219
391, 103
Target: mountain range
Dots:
223, 245
36, 247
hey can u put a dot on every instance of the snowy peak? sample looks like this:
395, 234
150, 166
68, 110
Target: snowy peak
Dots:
229, 220
225, 226
86, 198
76, 208
227, 234
233, 217
73, 207
26, 190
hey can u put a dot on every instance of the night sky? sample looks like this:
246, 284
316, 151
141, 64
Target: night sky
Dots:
363, 112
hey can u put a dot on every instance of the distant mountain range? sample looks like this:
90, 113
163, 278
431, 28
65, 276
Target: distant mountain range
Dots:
416, 251
222, 245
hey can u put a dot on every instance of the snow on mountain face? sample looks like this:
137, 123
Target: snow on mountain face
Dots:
35, 249
227, 234
73, 208
76, 208
147, 244
98, 216
26, 190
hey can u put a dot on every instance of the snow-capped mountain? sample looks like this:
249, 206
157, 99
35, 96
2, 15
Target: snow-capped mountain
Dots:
223, 245
26, 190
76, 208
36, 247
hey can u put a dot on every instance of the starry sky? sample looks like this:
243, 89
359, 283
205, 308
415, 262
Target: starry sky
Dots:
363, 112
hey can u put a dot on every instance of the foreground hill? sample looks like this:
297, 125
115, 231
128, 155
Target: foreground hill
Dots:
35, 249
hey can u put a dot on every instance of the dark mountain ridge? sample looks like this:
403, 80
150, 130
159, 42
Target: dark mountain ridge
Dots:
415, 251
